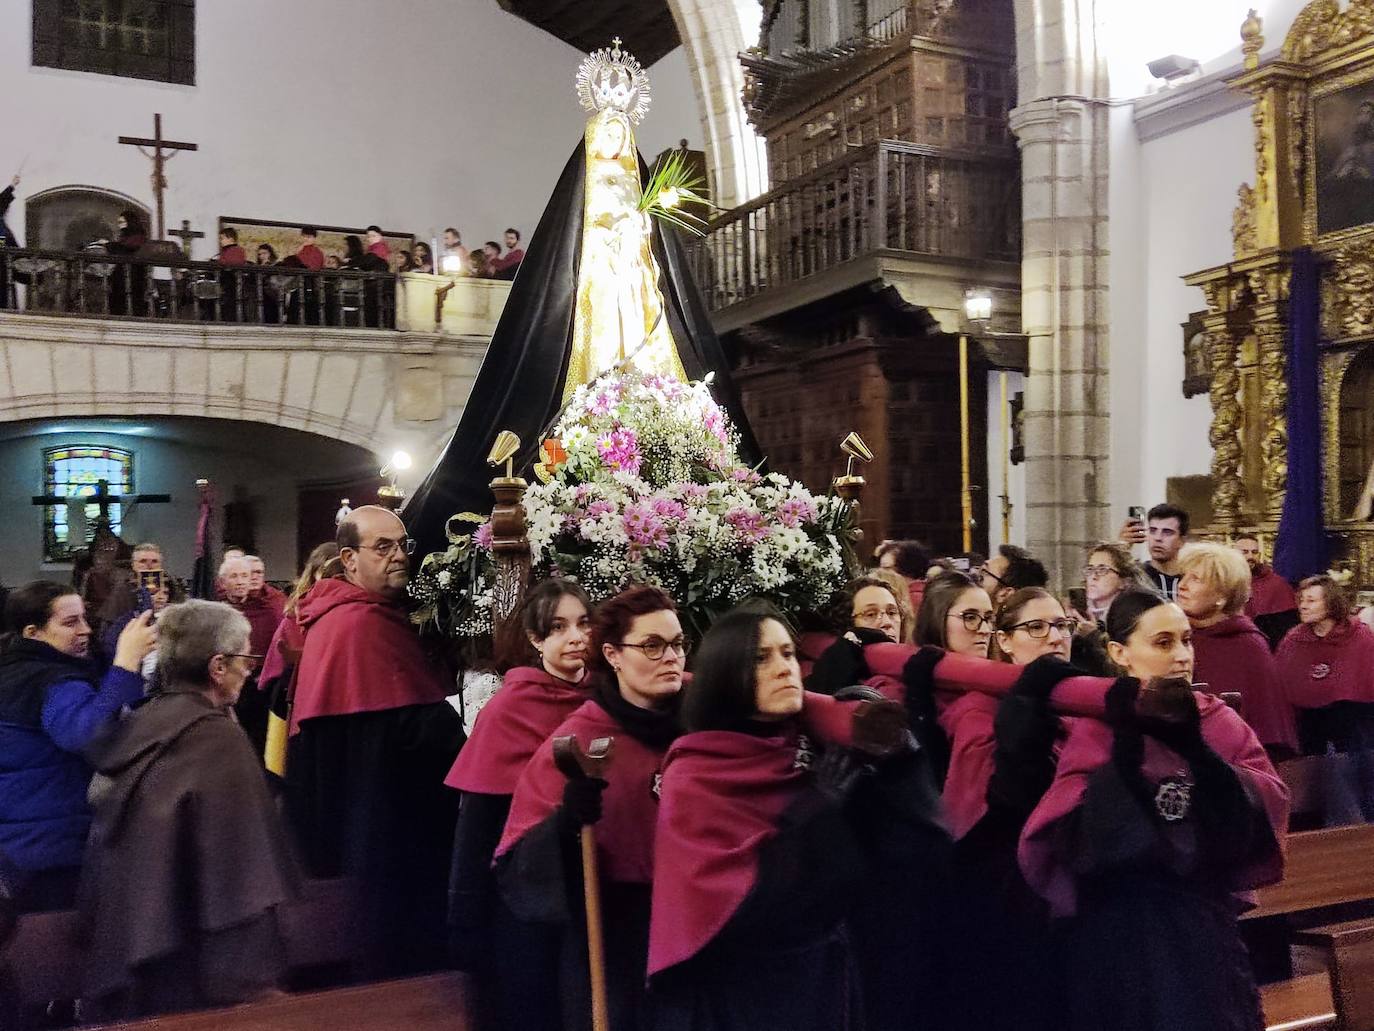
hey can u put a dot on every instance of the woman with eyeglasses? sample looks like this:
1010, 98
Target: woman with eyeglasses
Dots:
1158, 818
535, 697
637, 653
1001, 763
871, 610
759, 851
1232, 654
1110, 570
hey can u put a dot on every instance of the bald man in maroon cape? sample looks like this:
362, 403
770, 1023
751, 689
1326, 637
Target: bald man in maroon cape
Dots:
372, 738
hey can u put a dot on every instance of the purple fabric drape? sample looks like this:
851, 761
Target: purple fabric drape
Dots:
1301, 550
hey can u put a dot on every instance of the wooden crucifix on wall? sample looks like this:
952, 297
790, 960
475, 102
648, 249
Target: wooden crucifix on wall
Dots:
159, 159
186, 234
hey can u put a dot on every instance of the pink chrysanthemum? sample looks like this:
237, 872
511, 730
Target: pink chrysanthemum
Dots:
482, 537
619, 450
748, 523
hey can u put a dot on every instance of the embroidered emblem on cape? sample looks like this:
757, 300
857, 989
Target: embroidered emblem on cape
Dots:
1174, 798
1320, 671
805, 755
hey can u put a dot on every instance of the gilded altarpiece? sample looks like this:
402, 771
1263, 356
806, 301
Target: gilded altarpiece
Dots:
1313, 116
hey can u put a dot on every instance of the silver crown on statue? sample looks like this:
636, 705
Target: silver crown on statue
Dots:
612, 78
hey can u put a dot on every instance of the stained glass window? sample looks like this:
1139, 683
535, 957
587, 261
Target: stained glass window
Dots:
77, 471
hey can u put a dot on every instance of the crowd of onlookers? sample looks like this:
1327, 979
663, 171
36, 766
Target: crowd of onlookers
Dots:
372, 253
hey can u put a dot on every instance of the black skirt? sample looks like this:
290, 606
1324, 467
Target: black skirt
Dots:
1149, 954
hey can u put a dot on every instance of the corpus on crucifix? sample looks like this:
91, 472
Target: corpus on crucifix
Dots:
159, 159
186, 234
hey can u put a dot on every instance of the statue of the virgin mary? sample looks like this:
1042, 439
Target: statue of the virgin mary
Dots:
603, 286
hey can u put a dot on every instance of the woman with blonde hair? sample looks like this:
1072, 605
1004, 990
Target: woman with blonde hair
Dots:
1232, 654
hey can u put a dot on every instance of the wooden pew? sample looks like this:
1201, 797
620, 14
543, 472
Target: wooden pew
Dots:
438, 1002
43, 960
1325, 868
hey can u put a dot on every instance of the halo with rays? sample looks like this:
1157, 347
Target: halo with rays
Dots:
611, 77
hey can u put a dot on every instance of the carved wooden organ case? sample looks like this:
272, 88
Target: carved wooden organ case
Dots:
1313, 117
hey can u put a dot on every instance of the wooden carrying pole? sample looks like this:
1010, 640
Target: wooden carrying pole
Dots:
575, 764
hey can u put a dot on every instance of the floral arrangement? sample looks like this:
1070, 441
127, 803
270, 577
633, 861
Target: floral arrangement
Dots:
641, 483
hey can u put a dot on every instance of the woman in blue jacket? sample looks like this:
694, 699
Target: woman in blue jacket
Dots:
53, 704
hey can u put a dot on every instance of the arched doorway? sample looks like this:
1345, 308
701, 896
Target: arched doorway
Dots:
67, 218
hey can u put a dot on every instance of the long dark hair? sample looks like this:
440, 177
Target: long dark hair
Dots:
354, 247
722, 693
133, 223
940, 595
536, 617
30, 605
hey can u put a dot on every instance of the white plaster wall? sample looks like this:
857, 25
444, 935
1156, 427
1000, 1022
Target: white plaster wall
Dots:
415, 114
164, 466
1171, 200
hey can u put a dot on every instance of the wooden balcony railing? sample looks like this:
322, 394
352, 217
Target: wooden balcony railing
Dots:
174, 289
885, 196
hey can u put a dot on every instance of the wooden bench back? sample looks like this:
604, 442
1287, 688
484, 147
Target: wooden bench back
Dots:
1323, 868
43, 960
439, 1002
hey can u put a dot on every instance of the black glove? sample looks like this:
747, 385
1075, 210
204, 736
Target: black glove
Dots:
581, 802
1128, 747
1166, 709
836, 773
842, 664
1024, 730
919, 677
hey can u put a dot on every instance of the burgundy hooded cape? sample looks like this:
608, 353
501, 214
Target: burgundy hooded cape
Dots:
287, 640
723, 794
1234, 655
967, 722
624, 834
1269, 593
1318, 671
361, 655
522, 714
1089, 747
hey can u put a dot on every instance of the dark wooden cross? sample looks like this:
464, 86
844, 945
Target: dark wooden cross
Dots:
102, 497
186, 234
159, 160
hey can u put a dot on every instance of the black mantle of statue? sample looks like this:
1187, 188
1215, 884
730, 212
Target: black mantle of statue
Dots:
520, 384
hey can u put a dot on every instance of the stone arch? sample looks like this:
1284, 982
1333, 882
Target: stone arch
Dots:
71, 216
714, 33
64, 406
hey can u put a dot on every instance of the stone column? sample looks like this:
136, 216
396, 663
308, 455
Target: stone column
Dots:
1064, 308
715, 32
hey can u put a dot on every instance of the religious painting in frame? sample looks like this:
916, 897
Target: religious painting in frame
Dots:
1197, 371
1343, 152
285, 237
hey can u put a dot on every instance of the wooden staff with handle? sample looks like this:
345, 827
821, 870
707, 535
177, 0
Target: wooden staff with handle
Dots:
576, 764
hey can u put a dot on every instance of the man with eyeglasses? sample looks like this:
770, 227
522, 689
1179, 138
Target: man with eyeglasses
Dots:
372, 738
1008, 571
